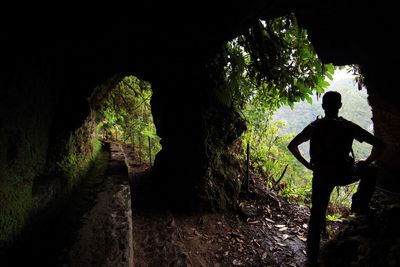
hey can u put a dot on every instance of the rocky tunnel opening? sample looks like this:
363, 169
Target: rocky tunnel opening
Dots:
48, 75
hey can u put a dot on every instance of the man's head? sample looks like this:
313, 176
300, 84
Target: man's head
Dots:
331, 101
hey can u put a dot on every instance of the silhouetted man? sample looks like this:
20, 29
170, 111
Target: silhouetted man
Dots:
331, 140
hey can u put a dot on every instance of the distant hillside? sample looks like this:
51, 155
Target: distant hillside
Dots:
355, 108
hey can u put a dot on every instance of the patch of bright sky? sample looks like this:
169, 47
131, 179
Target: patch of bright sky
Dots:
344, 74
341, 74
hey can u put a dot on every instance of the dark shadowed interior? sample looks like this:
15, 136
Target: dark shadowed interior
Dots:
52, 58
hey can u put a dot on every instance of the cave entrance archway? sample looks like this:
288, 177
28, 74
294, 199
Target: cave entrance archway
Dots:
124, 115
355, 107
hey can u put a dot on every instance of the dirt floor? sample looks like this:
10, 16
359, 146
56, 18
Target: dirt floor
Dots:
266, 230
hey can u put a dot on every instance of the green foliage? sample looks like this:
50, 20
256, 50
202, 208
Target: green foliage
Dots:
341, 196
96, 144
336, 217
291, 121
355, 108
125, 115
270, 157
70, 166
274, 63
271, 65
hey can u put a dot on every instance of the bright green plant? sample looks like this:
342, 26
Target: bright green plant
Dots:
125, 115
270, 157
271, 65
336, 217
274, 64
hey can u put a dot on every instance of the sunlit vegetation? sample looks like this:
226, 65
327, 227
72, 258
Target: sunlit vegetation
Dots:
355, 108
125, 116
270, 66
273, 64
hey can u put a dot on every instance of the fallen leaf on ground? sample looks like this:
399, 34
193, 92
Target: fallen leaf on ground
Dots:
276, 238
302, 238
264, 255
237, 262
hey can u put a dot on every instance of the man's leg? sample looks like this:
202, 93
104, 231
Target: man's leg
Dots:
319, 202
366, 187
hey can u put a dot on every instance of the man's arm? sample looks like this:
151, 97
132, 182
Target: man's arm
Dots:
378, 146
293, 146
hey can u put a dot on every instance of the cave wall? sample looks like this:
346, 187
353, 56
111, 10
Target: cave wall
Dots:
386, 118
350, 33
52, 60
27, 107
194, 167
46, 134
